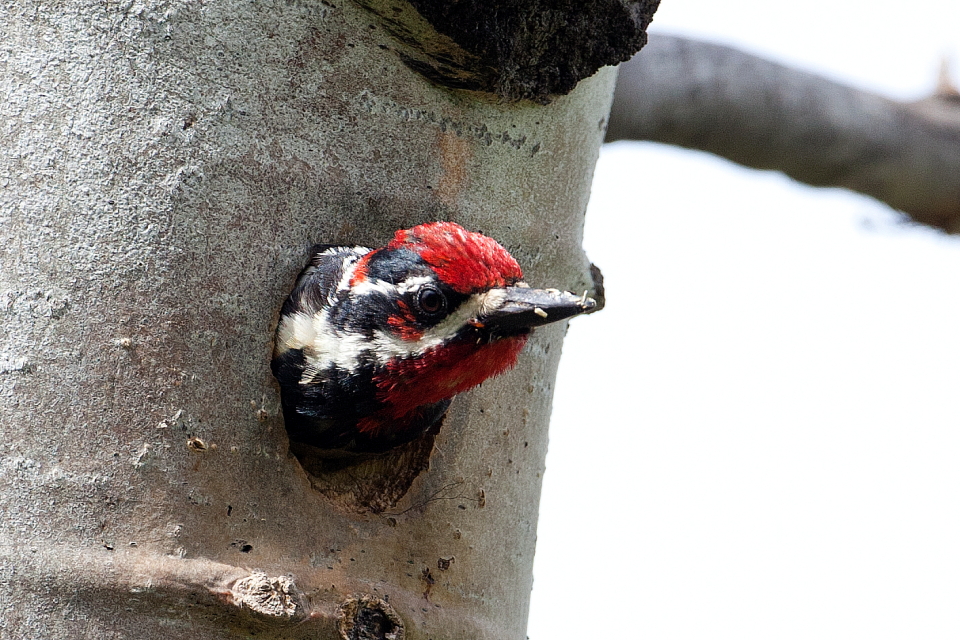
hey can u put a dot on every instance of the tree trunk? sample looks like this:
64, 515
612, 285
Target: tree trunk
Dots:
166, 166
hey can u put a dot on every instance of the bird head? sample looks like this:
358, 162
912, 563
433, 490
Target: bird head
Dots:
389, 336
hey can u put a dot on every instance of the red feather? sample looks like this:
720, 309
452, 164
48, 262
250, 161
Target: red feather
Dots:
405, 324
437, 375
468, 262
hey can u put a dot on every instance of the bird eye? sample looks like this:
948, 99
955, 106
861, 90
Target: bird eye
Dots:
431, 301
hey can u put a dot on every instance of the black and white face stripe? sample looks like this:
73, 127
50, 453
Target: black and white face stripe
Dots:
350, 331
329, 273
350, 350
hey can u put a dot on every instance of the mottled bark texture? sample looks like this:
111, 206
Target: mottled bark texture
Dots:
817, 131
165, 167
515, 49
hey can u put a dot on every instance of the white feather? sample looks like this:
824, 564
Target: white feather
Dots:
331, 348
413, 283
388, 346
349, 266
368, 286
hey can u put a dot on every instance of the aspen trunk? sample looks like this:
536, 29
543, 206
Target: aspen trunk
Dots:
166, 166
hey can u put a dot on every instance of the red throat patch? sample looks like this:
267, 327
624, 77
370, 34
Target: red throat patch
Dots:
467, 261
437, 375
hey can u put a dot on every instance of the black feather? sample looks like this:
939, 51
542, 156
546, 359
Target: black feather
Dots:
325, 412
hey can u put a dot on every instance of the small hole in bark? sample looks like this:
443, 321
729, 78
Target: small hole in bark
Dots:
369, 618
242, 546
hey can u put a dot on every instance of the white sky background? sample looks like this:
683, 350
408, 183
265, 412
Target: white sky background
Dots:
759, 437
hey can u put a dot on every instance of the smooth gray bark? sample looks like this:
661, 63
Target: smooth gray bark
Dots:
165, 167
768, 116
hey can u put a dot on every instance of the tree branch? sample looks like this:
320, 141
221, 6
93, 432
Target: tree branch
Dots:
135, 585
768, 116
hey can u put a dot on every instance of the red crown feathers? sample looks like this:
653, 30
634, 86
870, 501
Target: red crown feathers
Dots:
466, 261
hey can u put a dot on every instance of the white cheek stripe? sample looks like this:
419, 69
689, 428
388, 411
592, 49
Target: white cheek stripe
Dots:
388, 346
332, 349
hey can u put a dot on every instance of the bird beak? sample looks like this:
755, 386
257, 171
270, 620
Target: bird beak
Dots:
524, 308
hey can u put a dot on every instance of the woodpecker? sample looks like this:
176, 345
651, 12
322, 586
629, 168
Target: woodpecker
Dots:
373, 344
